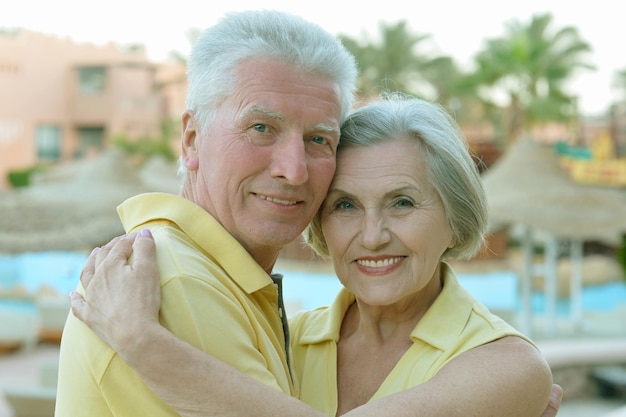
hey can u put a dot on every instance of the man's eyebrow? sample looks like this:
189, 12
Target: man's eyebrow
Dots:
322, 127
264, 111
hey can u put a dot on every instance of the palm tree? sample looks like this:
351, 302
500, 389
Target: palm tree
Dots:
390, 64
527, 69
443, 75
617, 114
619, 82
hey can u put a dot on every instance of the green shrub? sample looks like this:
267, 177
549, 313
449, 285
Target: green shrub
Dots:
21, 178
145, 146
621, 254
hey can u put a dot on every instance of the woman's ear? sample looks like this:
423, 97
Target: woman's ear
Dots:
189, 146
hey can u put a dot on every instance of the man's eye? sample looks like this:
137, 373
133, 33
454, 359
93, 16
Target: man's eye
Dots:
259, 127
319, 140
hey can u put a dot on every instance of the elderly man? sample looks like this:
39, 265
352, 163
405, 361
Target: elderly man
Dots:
267, 94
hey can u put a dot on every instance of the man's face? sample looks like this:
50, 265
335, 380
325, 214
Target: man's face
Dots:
264, 164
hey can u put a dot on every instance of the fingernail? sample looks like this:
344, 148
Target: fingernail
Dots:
145, 232
95, 250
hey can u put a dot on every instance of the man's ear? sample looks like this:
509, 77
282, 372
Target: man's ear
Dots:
189, 145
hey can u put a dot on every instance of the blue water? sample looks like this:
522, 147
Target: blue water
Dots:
497, 290
30, 272
17, 305
60, 271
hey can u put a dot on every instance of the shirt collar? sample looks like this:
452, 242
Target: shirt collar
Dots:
200, 227
440, 326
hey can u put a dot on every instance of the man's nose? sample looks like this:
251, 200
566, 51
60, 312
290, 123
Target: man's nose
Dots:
289, 160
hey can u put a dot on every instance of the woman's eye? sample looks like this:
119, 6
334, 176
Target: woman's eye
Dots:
343, 205
404, 202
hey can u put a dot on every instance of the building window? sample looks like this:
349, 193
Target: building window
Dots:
48, 143
91, 79
90, 138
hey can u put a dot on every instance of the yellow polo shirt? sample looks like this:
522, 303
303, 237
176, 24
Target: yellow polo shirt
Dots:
455, 323
214, 296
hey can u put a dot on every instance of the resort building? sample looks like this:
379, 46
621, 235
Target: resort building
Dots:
60, 100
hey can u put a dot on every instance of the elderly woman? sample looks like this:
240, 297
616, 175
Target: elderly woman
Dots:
402, 338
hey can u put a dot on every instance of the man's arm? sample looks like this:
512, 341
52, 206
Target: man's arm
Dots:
506, 377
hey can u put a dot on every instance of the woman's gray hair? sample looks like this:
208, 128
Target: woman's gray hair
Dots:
450, 166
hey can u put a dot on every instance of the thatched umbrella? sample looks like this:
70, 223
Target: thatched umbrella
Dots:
73, 214
527, 186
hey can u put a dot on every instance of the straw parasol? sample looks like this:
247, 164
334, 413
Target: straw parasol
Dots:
73, 214
528, 186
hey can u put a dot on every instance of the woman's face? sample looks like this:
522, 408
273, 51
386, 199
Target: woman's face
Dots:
385, 224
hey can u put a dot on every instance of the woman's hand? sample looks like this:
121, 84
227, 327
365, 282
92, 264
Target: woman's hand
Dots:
121, 296
555, 401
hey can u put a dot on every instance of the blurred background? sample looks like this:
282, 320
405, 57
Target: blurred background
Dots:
91, 96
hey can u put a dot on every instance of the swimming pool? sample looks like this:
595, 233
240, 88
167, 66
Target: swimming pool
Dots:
498, 290
32, 272
58, 272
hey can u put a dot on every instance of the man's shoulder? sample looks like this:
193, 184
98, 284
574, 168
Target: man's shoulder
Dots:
82, 356
178, 254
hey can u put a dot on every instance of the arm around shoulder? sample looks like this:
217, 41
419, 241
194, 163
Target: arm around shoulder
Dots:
505, 377
508, 377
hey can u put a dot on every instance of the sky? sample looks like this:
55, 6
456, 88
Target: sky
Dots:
457, 28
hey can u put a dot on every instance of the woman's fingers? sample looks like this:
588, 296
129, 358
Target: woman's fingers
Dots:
119, 295
78, 305
144, 253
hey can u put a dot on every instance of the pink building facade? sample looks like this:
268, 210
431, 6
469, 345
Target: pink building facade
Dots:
60, 100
